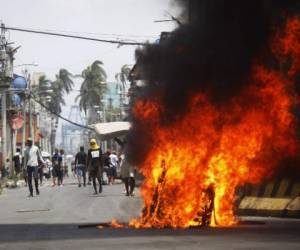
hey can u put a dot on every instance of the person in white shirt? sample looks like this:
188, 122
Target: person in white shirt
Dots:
32, 158
113, 159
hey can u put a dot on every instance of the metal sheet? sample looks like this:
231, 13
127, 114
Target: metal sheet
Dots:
109, 130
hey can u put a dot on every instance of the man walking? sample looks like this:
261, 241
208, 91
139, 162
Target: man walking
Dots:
113, 159
80, 166
32, 157
57, 165
17, 159
62, 168
94, 161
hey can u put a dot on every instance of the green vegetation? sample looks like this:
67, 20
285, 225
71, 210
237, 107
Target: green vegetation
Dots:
92, 88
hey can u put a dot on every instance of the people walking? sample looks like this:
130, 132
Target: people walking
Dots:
80, 166
57, 165
63, 165
41, 167
32, 157
94, 162
41, 173
127, 172
17, 159
113, 160
128, 176
106, 167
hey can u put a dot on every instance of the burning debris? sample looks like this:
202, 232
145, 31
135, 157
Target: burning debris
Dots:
216, 111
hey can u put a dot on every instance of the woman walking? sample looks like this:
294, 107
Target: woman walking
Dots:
128, 176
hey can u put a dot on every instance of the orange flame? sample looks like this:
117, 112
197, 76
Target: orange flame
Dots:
198, 162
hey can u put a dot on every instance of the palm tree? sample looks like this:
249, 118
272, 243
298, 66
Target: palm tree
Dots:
92, 88
55, 105
57, 99
43, 88
64, 81
62, 84
56, 89
122, 78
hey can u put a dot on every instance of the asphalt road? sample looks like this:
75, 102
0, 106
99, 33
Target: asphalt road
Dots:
51, 220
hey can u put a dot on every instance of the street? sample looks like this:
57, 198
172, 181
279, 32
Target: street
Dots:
51, 220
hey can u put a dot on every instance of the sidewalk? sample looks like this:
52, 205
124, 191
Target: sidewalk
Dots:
7, 183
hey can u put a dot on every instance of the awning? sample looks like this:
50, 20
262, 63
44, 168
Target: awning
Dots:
45, 154
109, 130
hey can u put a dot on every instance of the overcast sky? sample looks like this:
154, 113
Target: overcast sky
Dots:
131, 18
106, 19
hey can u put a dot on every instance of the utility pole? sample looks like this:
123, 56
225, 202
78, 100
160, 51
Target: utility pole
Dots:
3, 96
24, 126
6, 73
31, 128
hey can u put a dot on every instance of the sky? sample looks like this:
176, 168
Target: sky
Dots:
105, 19
132, 18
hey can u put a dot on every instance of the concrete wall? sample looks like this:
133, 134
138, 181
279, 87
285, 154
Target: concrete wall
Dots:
279, 198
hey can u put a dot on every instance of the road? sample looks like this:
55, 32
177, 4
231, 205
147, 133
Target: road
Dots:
51, 220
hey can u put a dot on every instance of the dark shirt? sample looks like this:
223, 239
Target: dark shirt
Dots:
57, 161
17, 162
95, 158
106, 161
80, 158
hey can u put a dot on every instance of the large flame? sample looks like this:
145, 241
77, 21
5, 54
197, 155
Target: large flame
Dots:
197, 163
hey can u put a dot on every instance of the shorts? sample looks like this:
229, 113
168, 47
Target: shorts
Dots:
112, 172
80, 170
55, 172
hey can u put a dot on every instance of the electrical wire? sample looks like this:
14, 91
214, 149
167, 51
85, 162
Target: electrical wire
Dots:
124, 36
76, 37
58, 115
106, 35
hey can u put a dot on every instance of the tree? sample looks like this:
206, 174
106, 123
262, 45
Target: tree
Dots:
64, 81
55, 105
122, 76
41, 90
57, 99
56, 89
92, 88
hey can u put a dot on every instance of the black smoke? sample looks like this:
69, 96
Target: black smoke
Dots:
211, 52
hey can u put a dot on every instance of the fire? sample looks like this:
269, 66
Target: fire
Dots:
196, 163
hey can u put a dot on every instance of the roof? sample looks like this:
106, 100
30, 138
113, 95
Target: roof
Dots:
109, 130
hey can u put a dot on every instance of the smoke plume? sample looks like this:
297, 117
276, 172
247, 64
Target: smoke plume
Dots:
212, 53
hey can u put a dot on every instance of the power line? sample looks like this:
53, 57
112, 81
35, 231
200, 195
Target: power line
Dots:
76, 37
114, 35
58, 115
124, 36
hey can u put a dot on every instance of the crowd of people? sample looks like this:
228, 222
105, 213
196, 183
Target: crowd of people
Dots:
89, 168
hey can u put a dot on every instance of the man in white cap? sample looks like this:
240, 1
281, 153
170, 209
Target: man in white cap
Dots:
32, 157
